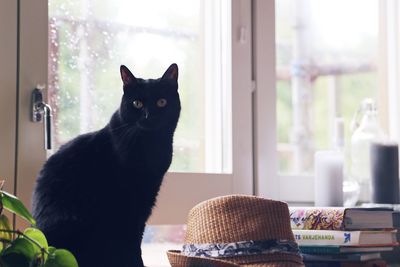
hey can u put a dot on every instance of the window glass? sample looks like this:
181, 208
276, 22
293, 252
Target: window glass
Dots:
158, 239
89, 40
326, 65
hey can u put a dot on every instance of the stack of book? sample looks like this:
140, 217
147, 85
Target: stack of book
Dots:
392, 257
334, 236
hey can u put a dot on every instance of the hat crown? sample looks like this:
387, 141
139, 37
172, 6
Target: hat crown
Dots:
237, 218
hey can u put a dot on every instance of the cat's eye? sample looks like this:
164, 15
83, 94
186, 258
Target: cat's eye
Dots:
162, 102
137, 104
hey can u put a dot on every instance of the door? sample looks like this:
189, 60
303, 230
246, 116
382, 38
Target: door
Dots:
8, 90
75, 47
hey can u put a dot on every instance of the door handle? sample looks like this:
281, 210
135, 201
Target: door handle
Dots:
41, 112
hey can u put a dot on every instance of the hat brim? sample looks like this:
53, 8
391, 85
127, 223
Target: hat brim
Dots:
176, 259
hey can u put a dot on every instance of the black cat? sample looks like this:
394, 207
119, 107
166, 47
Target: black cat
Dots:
96, 193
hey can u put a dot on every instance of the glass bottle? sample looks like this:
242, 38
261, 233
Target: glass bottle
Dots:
366, 132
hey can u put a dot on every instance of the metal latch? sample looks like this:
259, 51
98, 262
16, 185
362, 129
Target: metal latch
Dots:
41, 112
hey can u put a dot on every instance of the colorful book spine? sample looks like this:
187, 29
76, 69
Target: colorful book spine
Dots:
339, 238
317, 218
325, 238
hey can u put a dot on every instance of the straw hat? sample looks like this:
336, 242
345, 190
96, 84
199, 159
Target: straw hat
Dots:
238, 230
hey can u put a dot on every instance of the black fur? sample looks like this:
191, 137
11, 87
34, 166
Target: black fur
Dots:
96, 193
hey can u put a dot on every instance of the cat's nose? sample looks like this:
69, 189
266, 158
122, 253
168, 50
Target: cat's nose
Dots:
146, 113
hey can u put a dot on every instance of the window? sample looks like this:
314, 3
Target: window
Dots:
330, 56
88, 42
325, 67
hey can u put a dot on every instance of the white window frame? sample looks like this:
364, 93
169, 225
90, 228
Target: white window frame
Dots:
265, 156
180, 191
217, 85
390, 62
268, 183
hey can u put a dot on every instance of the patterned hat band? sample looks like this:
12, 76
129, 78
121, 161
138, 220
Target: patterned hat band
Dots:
242, 248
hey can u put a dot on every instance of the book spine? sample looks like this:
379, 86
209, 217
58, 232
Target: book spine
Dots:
322, 264
372, 263
320, 249
317, 218
326, 238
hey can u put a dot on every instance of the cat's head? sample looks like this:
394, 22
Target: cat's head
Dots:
151, 104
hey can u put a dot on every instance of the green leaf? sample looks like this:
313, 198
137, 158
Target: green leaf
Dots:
20, 246
5, 233
61, 258
5, 225
38, 236
13, 204
40, 239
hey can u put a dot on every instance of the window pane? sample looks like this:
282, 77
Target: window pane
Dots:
326, 65
158, 239
89, 40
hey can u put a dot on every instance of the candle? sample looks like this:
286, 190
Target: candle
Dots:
385, 173
328, 176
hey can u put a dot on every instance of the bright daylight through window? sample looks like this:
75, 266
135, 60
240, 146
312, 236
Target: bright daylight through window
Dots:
90, 39
326, 65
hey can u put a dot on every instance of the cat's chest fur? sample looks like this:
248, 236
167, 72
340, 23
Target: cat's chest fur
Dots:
95, 162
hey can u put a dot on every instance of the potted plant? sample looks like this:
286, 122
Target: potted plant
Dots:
27, 248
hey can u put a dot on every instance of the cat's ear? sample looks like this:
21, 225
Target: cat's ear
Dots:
171, 73
127, 76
